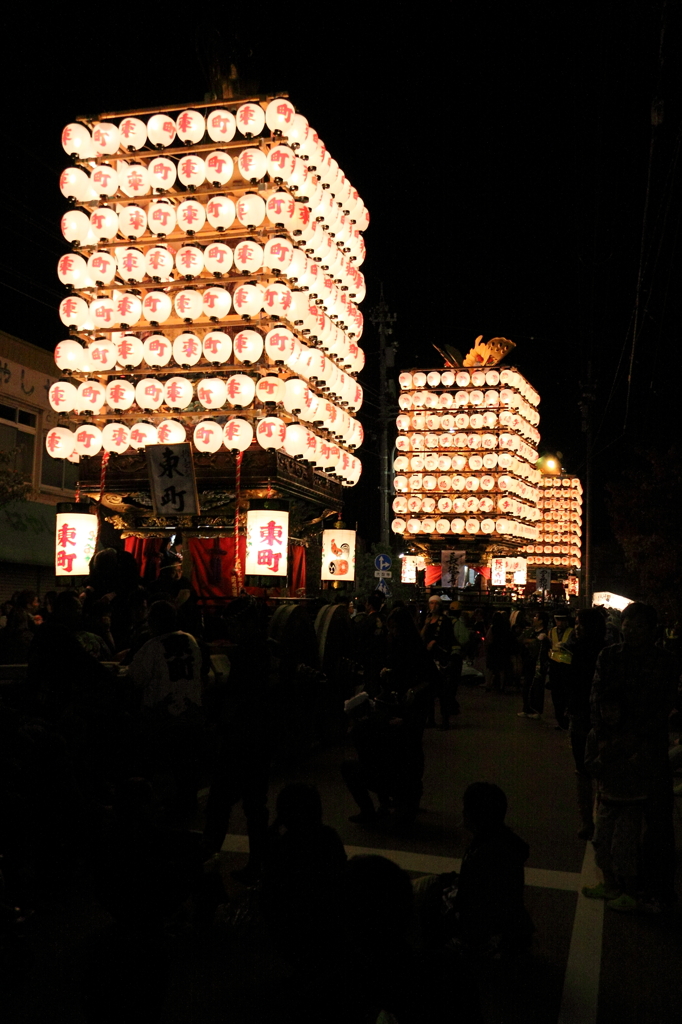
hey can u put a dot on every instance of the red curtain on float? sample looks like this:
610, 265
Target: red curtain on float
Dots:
297, 568
213, 566
146, 551
432, 575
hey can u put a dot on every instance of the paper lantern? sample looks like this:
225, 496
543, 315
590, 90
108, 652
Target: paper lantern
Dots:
281, 163
171, 432
115, 437
191, 171
133, 133
271, 432
189, 261
75, 540
60, 442
103, 354
296, 440
248, 256
142, 434
250, 210
162, 174
158, 350
77, 141
218, 258
279, 117
252, 164
208, 436
248, 347
237, 434
212, 392
130, 350
132, 222
398, 526
73, 270
128, 309
221, 125
101, 267
295, 391
277, 299
104, 181
106, 138
161, 130
216, 303
134, 181
76, 227
219, 168
119, 394
188, 304
250, 119
221, 212
63, 396
191, 216
158, 263
241, 390
103, 313
248, 299
88, 440
191, 126
104, 223
149, 393
217, 347
270, 390
187, 349
281, 210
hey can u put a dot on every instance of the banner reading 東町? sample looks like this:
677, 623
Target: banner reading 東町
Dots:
453, 568
171, 477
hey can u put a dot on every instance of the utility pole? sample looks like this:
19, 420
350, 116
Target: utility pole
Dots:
383, 321
587, 400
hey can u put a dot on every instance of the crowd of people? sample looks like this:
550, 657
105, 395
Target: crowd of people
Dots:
121, 717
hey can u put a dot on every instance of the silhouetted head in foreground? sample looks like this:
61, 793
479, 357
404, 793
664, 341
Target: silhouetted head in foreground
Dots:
485, 807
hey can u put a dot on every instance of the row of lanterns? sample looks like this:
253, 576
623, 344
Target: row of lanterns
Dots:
441, 419
470, 378
559, 539
443, 462
505, 527
434, 441
218, 348
477, 398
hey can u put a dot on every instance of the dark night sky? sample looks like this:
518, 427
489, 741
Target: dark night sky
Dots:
503, 157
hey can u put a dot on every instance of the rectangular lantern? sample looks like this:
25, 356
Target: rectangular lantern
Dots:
76, 539
453, 568
498, 576
338, 555
267, 541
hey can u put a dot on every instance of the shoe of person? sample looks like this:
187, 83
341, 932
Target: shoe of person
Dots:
522, 714
624, 904
363, 818
600, 892
534, 714
586, 832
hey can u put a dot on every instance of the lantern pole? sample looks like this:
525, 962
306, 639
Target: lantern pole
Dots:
587, 400
384, 321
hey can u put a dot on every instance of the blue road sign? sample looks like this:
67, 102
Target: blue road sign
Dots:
383, 562
384, 588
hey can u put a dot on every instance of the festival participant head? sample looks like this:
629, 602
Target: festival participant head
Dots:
162, 619
484, 805
435, 605
638, 625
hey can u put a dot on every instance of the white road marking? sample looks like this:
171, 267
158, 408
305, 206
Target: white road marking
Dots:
581, 981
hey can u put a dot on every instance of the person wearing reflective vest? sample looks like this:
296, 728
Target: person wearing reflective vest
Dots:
560, 667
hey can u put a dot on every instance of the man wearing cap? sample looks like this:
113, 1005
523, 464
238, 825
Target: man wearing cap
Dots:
560, 667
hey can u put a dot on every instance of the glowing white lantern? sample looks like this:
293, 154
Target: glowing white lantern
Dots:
142, 434
250, 210
237, 434
132, 222
158, 350
248, 347
161, 130
104, 223
188, 304
88, 440
74, 184
217, 347
77, 141
73, 270
208, 436
134, 180
248, 299
277, 299
250, 119
221, 125
189, 261
75, 541
162, 174
106, 138
278, 255
279, 117
130, 350
119, 394
103, 313
281, 210
178, 392
60, 442
216, 303
295, 395
157, 263
241, 390
63, 397
252, 164
191, 126
221, 212
398, 526
101, 267
191, 216
128, 309
212, 392
219, 167
133, 133
149, 394
271, 432
281, 163
218, 258
192, 171
187, 349
115, 437
171, 432
270, 390
103, 354
248, 256
295, 440
161, 218
76, 227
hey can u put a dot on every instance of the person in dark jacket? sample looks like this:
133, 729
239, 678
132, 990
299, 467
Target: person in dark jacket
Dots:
590, 632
